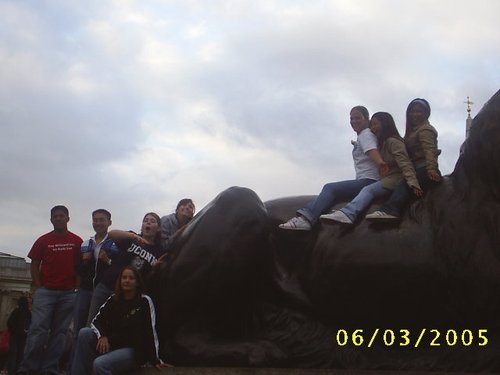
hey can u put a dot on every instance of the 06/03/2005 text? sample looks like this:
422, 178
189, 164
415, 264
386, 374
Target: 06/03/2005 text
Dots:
406, 338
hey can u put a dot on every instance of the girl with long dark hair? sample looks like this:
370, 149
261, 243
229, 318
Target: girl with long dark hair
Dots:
393, 151
139, 250
122, 336
422, 145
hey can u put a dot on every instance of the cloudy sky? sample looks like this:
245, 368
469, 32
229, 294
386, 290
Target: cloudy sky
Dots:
133, 105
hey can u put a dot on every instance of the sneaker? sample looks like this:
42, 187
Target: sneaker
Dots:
296, 223
381, 216
337, 216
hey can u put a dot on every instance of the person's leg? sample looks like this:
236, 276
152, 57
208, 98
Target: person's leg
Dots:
20, 351
85, 352
330, 194
81, 313
116, 361
60, 324
44, 302
397, 200
13, 353
100, 295
402, 194
363, 199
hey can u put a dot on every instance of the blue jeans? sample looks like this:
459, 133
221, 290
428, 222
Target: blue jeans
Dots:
402, 193
331, 194
363, 199
87, 359
81, 313
50, 319
100, 295
82, 305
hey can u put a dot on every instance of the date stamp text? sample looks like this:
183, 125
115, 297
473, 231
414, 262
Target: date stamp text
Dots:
407, 338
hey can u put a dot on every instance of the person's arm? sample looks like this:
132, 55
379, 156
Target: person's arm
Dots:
100, 323
122, 235
36, 255
168, 229
35, 273
108, 250
149, 325
78, 281
428, 141
398, 150
100, 326
375, 155
79, 265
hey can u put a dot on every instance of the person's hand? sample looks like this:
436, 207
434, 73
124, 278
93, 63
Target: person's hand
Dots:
383, 169
433, 175
417, 191
184, 219
103, 256
87, 256
102, 345
159, 366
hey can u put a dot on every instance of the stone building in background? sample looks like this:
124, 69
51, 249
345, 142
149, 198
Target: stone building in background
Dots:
15, 281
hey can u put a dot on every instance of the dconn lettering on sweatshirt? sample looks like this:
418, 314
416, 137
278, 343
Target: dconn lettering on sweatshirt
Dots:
142, 253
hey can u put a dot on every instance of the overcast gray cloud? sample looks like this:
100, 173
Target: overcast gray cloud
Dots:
132, 105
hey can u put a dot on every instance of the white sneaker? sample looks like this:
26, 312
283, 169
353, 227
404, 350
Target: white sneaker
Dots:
381, 216
337, 216
296, 223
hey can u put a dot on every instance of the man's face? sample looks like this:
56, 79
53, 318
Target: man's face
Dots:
59, 220
100, 223
358, 121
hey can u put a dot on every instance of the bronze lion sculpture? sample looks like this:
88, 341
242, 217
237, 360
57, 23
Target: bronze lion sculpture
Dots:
238, 291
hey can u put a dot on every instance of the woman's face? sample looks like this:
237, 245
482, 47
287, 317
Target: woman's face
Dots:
376, 126
128, 282
416, 114
150, 226
358, 121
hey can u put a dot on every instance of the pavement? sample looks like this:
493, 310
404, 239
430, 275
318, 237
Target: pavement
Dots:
280, 371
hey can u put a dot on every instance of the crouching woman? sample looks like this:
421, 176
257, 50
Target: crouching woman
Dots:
122, 336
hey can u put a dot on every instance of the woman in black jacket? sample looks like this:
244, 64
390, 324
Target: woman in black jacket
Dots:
122, 336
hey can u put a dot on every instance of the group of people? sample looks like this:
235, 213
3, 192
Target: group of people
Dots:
99, 285
386, 165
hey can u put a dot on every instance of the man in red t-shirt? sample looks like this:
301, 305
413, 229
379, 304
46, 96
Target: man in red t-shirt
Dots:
53, 272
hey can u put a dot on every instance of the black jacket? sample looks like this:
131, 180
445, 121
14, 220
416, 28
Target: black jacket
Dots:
19, 321
129, 324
